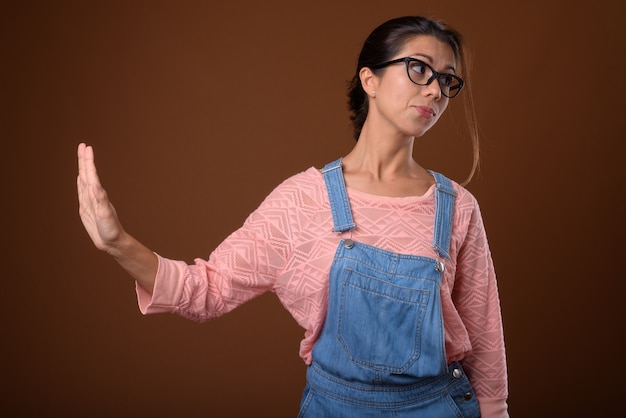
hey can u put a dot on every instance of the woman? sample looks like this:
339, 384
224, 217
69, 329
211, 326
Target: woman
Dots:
384, 264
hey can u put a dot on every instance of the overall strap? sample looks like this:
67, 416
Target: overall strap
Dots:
444, 200
338, 197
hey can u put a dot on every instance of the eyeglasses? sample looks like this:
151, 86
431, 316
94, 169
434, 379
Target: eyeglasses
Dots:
423, 74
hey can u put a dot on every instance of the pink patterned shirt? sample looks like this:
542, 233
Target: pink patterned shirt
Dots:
286, 246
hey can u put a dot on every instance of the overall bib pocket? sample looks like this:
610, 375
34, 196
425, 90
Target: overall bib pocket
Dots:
380, 321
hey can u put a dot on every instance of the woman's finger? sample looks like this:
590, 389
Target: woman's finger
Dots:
89, 167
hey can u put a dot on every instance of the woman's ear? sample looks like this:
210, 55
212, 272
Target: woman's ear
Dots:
369, 81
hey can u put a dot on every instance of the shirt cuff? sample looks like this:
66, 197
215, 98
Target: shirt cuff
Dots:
168, 288
493, 408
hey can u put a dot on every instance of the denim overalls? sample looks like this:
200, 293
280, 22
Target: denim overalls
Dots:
381, 351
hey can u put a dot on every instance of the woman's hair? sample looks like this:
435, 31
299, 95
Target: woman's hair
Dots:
385, 42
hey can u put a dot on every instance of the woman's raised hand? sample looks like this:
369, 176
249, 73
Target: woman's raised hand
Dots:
104, 228
96, 211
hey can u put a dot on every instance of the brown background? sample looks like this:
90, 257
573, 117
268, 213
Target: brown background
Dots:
198, 109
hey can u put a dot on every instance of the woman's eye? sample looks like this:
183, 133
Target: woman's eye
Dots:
446, 80
418, 68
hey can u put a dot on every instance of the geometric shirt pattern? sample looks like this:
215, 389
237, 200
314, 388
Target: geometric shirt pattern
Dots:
286, 246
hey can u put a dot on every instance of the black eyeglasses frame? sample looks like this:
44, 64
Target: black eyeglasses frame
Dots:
436, 75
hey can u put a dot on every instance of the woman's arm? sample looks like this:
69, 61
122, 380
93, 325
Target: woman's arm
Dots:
104, 228
478, 303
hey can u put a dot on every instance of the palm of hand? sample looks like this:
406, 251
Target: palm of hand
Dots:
96, 210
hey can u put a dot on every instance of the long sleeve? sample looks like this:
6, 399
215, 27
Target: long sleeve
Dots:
242, 267
477, 300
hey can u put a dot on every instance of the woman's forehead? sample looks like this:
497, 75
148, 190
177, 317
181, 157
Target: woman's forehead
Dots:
429, 49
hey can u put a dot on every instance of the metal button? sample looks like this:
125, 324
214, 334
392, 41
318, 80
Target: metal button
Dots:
456, 373
440, 267
467, 396
348, 243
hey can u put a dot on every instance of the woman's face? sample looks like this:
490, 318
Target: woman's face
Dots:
408, 108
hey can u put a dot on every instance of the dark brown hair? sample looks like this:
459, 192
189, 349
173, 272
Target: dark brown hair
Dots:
385, 42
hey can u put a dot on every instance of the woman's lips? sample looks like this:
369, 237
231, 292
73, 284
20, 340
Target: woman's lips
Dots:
425, 111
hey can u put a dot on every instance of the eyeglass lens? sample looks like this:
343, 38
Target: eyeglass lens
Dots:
420, 73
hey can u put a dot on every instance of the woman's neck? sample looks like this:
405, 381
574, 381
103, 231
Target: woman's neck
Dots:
385, 166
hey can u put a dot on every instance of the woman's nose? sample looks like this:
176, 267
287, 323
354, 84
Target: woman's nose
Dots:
433, 89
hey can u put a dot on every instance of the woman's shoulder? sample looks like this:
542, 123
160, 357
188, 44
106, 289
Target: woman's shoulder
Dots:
303, 188
465, 203
307, 181
464, 196
466, 207
311, 177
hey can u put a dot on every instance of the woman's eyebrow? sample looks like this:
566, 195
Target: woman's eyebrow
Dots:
430, 60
